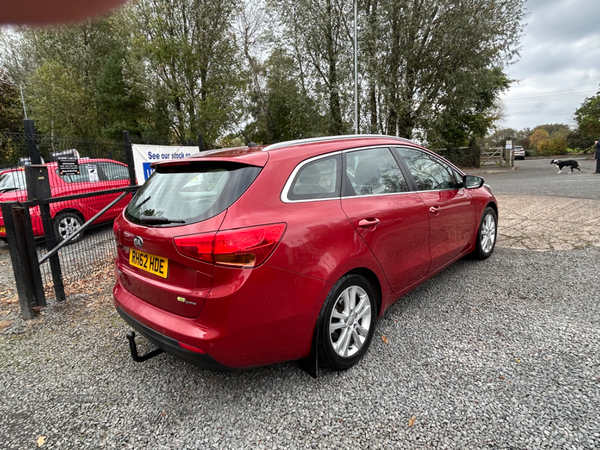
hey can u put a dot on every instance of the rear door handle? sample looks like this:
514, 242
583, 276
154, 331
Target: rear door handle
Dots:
368, 222
435, 210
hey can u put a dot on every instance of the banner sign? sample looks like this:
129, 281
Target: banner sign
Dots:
144, 155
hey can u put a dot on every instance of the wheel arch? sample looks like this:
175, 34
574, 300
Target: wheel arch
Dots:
69, 210
310, 363
494, 206
371, 277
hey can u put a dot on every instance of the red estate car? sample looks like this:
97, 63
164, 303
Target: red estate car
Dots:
252, 256
95, 175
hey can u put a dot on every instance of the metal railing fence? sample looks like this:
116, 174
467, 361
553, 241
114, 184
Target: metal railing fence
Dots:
51, 187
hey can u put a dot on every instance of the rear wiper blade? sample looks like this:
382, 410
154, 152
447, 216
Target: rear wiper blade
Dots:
144, 201
2, 191
158, 220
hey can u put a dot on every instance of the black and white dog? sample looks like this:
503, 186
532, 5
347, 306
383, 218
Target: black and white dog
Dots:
567, 163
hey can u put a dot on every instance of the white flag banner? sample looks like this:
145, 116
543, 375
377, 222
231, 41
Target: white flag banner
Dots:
144, 155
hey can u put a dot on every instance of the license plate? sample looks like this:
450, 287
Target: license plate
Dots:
150, 263
2, 230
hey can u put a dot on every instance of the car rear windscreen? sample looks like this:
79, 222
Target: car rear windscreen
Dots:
176, 195
13, 180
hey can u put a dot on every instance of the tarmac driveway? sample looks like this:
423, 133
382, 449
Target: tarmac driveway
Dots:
542, 210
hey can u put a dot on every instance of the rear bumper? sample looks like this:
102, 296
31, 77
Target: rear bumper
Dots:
172, 346
267, 317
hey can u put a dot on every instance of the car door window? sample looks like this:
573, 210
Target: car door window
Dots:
113, 171
373, 172
429, 172
316, 179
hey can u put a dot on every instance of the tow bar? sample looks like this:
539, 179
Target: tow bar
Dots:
134, 353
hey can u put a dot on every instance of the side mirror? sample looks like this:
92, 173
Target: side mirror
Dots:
472, 182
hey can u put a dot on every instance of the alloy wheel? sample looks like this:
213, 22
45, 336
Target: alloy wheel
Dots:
488, 233
350, 321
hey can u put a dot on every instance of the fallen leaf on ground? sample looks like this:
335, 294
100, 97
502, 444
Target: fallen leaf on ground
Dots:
4, 324
411, 422
384, 339
41, 441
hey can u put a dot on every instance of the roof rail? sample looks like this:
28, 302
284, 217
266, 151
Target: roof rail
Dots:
330, 138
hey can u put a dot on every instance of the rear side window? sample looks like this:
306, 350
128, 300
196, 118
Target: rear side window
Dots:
88, 173
188, 194
114, 171
317, 179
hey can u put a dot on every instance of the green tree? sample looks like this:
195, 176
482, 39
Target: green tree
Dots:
550, 139
288, 112
576, 140
437, 65
587, 117
317, 32
555, 129
119, 100
61, 103
470, 114
11, 109
499, 137
189, 49
69, 65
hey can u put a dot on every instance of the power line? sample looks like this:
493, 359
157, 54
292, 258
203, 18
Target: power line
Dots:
551, 93
543, 111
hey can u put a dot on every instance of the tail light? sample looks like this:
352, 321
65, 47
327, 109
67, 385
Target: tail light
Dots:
243, 247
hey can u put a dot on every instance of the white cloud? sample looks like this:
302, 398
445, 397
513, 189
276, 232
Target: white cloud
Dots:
559, 65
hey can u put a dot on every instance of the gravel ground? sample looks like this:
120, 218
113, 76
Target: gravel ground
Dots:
496, 354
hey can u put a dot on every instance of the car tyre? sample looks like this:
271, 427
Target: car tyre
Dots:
347, 322
487, 234
66, 223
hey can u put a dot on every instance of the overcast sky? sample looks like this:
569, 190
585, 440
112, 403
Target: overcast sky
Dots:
559, 64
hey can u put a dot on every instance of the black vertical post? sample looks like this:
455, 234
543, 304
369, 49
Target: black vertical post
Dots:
50, 237
28, 287
25, 295
36, 274
38, 188
129, 156
200, 143
30, 138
